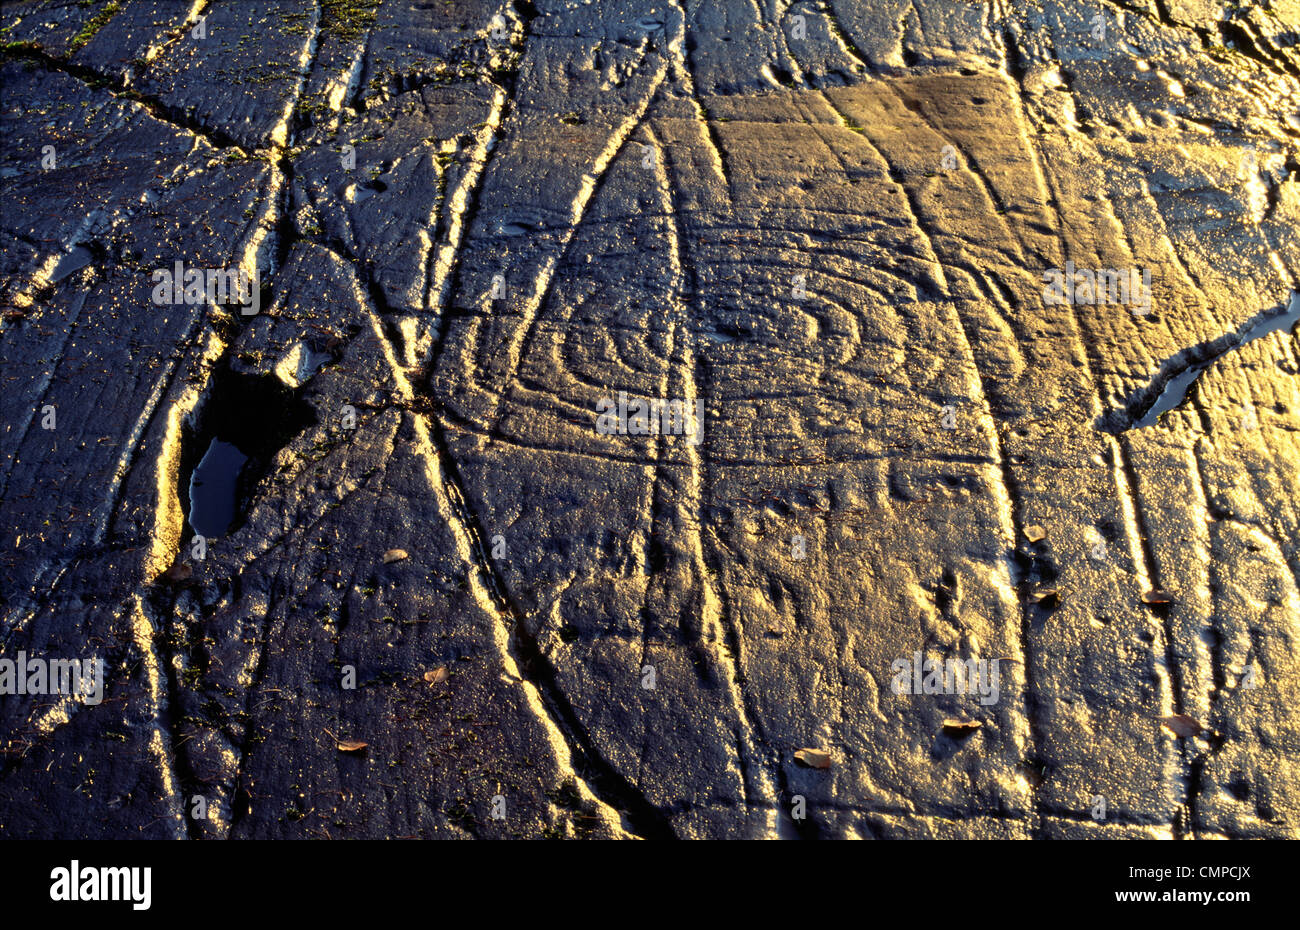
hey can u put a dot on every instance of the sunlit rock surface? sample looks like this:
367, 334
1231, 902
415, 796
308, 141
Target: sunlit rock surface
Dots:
470, 228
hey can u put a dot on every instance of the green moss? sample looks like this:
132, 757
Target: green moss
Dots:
295, 24
347, 19
93, 25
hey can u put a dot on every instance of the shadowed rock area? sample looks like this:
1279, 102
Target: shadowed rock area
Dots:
970, 332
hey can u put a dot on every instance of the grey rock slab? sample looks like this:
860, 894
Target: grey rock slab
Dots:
116, 352
832, 232
51, 24
243, 77
437, 754
397, 47
384, 200
133, 35
62, 183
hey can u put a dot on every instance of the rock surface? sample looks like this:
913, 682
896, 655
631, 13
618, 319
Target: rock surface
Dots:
450, 606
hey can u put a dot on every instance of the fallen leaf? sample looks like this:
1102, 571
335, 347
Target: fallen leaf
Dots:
1035, 533
351, 745
813, 758
394, 555
1045, 596
179, 572
436, 676
1157, 597
960, 727
1182, 725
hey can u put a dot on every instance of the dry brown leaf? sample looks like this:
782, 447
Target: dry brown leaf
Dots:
179, 572
436, 676
394, 555
351, 745
813, 758
960, 727
1035, 533
1157, 597
1182, 725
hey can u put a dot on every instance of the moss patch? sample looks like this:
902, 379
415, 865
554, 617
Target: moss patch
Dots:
93, 25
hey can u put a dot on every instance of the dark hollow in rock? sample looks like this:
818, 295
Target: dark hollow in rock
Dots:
239, 426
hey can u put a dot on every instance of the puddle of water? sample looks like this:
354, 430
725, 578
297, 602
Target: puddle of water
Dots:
1175, 391
213, 488
1173, 395
231, 440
